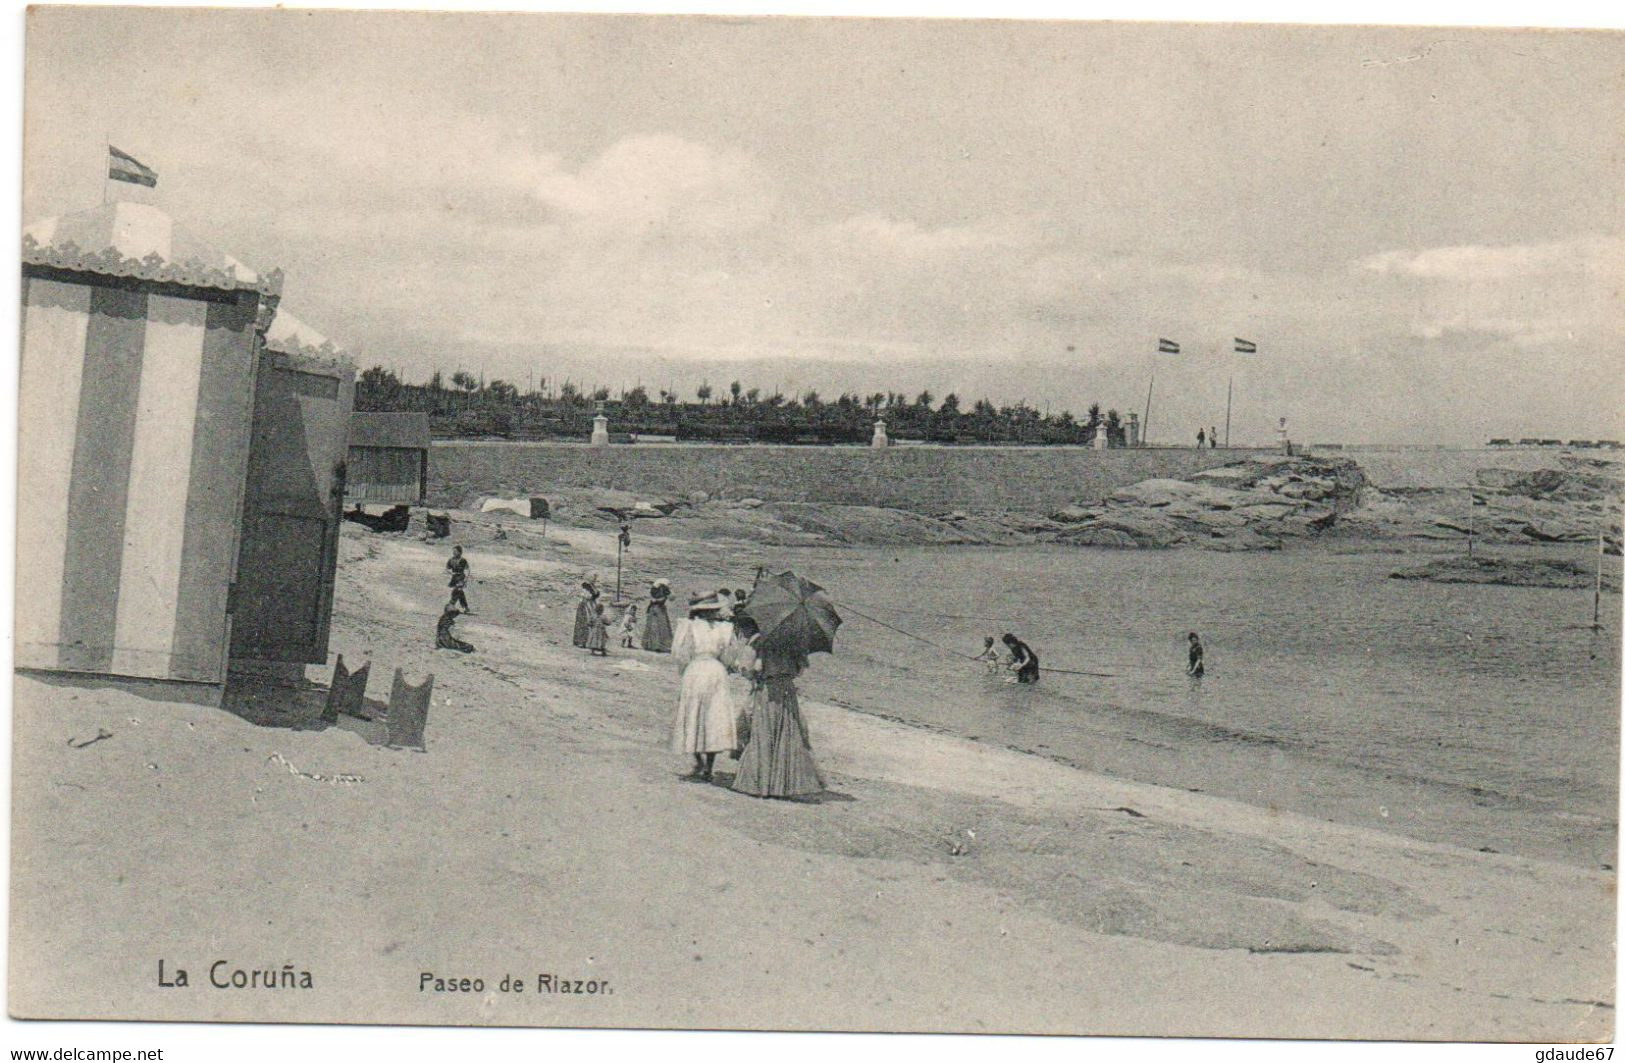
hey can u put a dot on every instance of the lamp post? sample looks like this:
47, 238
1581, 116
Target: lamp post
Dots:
622, 541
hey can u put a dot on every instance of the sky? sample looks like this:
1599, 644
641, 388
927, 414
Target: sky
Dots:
1421, 229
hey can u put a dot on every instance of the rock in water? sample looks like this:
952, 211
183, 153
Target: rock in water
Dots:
1253, 504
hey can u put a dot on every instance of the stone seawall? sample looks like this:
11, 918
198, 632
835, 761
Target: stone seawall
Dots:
923, 479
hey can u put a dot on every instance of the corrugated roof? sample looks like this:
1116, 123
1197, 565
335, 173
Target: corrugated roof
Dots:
389, 430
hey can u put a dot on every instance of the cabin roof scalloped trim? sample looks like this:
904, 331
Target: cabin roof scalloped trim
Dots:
154, 267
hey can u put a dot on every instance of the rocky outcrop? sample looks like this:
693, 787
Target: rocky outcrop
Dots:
1558, 573
1563, 505
1254, 504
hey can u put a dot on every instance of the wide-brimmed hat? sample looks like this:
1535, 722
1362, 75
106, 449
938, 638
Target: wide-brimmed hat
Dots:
705, 603
666, 583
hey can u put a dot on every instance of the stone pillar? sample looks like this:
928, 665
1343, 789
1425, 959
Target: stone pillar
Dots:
600, 431
1101, 441
1131, 430
880, 441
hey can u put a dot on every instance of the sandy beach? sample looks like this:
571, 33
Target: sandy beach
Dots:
943, 884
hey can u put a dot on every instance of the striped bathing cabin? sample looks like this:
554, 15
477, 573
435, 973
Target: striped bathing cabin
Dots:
142, 353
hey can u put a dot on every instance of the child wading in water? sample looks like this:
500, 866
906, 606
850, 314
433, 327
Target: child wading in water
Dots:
989, 656
1194, 666
628, 625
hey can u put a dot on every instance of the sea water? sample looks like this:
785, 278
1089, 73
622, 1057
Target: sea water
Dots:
1481, 716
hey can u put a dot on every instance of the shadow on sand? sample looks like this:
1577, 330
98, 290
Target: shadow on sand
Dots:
298, 705
725, 780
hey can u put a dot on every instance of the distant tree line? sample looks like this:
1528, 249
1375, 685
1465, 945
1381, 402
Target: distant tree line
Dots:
468, 408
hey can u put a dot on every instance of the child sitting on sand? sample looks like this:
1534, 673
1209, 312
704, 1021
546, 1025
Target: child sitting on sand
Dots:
629, 623
444, 637
989, 656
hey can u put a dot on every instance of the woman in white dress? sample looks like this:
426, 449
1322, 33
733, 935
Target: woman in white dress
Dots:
707, 719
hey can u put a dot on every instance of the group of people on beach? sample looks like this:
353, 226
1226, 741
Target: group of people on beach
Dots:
736, 695
592, 620
719, 650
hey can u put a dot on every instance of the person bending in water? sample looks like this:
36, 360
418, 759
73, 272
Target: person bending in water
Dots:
1194, 666
1023, 661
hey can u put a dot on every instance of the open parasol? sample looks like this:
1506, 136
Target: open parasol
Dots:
792, 613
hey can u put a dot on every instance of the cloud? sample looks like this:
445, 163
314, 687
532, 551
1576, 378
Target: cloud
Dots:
653, 181
1533, 295
1587, 255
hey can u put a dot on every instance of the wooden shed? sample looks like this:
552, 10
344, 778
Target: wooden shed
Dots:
167, 458
389, 458
291, 516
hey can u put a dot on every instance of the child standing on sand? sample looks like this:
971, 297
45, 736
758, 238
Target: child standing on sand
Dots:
597, 630
629, 624
989, 656
1194, 666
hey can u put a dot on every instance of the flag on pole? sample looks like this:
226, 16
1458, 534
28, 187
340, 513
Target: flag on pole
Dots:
1167, 347
122, 167
1245, 346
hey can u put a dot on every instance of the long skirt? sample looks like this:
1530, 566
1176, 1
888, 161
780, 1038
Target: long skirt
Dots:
445, 640
585, 615
707, 719
657, 628
597, 634
778, 760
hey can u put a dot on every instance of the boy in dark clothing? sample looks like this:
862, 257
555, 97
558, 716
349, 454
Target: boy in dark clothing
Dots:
458, 567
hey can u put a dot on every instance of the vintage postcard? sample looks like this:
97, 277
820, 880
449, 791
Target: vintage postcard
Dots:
819, 524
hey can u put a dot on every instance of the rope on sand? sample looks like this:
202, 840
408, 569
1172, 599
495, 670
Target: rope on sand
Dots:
1043, 670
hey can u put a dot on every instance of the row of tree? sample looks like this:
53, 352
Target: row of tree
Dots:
470, 408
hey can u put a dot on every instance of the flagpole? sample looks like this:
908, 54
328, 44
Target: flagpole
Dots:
1145, 430
107, 158
1472, 504
1229, 387
1596, 593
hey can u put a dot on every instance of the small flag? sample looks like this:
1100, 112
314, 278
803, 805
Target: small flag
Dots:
122, 167
1167, 347
1245, 346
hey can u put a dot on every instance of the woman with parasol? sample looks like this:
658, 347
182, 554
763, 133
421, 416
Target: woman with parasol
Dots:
786, 618
656, 621
707, 720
